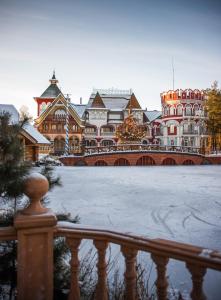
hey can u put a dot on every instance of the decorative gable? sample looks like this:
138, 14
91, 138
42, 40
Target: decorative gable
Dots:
98, 102
133, 102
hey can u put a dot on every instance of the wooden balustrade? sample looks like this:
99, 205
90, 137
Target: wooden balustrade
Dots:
161, 251
35, 228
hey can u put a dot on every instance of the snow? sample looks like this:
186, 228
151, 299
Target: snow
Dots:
164, 202
33, 132
36, 175
180, 203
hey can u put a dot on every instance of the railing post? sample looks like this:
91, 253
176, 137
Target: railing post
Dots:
35, 243
73, 244
101, 289
130, 272
161, 282
197, 273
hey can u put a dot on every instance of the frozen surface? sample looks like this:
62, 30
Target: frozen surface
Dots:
181, 203
178, 203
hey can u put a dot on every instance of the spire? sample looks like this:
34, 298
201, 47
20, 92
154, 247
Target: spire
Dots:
53, 80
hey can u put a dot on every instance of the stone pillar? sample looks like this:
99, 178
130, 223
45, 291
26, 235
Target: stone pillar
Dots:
35, 226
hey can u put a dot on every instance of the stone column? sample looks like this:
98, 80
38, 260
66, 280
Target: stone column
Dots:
35, 226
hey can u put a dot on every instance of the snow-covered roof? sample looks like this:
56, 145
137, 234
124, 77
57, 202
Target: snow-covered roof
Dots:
79, 108
28, 128
112, 101
9, 108
153, 115
35, 134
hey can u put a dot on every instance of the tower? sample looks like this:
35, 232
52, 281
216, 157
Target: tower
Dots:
48, 95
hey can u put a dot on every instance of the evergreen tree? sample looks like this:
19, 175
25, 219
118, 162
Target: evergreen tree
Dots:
213, 110
13, 171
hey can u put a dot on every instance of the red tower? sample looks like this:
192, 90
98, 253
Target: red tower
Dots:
48, 96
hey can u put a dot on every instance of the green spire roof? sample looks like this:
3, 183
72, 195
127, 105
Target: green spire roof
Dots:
53, 90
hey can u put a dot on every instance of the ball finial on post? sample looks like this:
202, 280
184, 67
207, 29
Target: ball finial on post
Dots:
35, 187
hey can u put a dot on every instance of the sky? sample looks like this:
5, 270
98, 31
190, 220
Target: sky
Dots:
107, 43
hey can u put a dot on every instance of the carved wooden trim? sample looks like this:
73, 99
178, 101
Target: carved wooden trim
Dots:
101, 288
161, 282
198, 274
73, 244
130, 272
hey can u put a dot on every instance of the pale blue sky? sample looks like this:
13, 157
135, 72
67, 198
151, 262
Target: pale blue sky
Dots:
103, 44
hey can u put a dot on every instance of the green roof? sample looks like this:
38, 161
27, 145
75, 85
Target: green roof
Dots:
52, 91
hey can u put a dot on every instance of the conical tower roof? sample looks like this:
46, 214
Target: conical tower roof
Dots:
53, 90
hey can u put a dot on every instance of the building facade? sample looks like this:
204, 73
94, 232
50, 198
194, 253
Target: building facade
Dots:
93, 124
183, 118
75, 126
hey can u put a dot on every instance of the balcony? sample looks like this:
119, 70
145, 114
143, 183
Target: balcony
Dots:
35, 228
108, 133
191, 132
90, 133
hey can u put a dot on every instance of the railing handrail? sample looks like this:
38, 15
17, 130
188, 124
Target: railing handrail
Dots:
141, 147
179, 251
8, 233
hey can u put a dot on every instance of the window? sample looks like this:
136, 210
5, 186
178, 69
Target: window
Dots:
53, 127
171, 110
90, 129
45, 126
107, 129
60, 113
107, 143
188, 110
75, 128
185, 128
165, 111
172, 128
179, 110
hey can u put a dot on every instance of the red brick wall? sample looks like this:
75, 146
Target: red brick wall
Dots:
110, 159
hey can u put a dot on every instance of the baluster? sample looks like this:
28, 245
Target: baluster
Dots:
130, 272
101, 288
73, 244
197, 273
161, 282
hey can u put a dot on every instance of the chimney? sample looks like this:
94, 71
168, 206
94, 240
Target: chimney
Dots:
80, 100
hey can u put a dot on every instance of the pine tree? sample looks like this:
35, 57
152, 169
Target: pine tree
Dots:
13, 171
213, 110
130, 131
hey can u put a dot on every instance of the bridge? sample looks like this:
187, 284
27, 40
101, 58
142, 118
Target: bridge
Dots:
139, 155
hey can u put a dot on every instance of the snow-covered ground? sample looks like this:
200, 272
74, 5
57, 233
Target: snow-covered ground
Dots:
181, 203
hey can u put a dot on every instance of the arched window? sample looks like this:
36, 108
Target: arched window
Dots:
188, 110
43, 107
196, 110
171, 110
179, 110
165, 111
